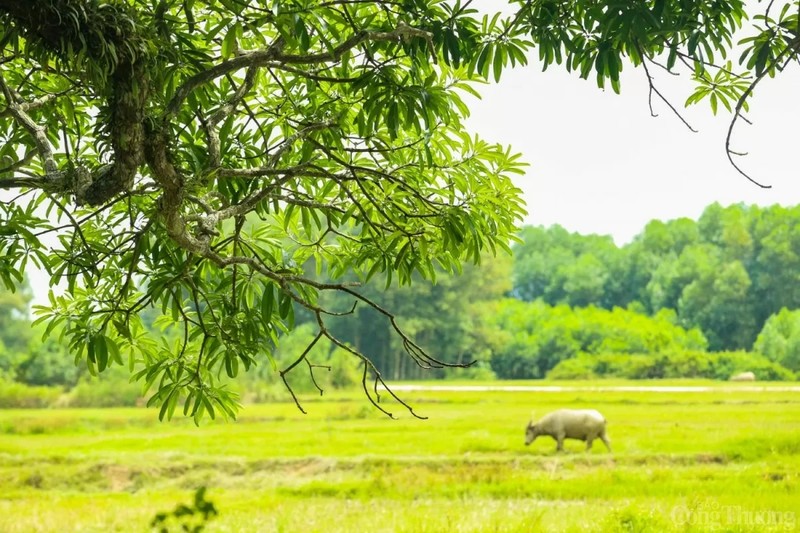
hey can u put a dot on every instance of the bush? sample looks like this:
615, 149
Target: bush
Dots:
779, 339
729, 363
537, 336
110, 389
18, 395
480, 371
721, 365
575, 368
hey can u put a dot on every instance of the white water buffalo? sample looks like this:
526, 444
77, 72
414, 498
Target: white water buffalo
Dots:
580, 424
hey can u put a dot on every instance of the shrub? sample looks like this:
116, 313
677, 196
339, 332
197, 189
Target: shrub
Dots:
727, 364
715, 365
575, 368
538, 336
110, 389
18, 395
779, 339
480, 371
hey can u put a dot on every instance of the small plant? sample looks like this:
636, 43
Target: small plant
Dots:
187, 517
634, 520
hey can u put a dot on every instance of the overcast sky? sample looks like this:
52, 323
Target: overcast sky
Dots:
599, 163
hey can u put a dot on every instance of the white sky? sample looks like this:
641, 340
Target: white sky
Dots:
599, 163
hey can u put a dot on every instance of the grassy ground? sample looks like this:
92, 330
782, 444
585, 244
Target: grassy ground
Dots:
725, 460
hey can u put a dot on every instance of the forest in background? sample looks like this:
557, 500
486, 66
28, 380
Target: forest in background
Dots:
705, 298
725, 285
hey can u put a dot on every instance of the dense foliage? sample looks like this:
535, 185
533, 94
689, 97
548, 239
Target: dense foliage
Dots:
193, 157
725, 273
483, 314
534, 337
779, 340
715, 365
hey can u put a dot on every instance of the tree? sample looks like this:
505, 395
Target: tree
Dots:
196, 156
563, 267
776, 231
150, 136
673, 274
534, 337
719, 303
446, 318
15, 332
779, 340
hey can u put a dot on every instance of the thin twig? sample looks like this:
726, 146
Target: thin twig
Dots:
738, 113
297, 362
654, 89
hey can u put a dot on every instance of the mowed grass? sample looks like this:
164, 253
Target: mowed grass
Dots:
726, 459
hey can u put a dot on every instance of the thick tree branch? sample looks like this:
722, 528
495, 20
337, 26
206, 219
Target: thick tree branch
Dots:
17, 110
66, 26
224, 112
275, 58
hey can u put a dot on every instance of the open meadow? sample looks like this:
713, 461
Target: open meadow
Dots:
725, 459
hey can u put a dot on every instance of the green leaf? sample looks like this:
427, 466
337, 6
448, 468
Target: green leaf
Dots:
229, 44
483, 62
208, 407
231, 364
267, 303
451, 40
285, 304
762, 58
392, 119
497, 65
122, 328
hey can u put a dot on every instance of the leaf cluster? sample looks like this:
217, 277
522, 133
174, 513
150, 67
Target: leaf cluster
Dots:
197, 158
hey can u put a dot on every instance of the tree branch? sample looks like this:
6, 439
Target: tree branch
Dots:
738, 113
17, 111
222, 113
654, 89
294, 364
275, 58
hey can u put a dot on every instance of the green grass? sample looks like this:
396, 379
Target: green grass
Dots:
727, 459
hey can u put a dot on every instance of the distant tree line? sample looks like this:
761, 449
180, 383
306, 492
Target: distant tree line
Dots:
725, 273
716, 284
685, 298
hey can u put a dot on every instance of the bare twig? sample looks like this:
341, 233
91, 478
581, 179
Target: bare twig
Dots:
294, 364
654, 89
738, 114
311, 368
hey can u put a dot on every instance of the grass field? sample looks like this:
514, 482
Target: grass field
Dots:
723, 460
